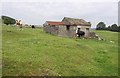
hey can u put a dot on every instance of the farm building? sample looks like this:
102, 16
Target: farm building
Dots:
67, 27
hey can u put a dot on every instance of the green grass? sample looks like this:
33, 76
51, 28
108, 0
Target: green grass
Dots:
32, 52
0, 47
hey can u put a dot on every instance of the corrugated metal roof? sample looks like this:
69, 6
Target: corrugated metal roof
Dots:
55, 23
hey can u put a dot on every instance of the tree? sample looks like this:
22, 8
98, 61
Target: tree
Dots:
101, 26
109, 28
114, 27
118, 28
8, 20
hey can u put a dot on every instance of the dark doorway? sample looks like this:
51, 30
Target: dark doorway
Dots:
67, 27
87, 28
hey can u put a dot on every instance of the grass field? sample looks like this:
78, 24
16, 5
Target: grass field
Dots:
0, 48
32, 52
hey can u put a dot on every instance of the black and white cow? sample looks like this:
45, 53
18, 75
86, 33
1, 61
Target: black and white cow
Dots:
80, 33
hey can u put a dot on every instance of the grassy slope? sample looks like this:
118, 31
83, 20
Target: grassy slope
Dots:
34, 52
0, 47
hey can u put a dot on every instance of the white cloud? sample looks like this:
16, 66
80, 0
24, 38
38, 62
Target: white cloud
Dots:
60, 1
39, 12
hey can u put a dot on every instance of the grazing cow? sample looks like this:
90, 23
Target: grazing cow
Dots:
80, 33
19, 24
33, 26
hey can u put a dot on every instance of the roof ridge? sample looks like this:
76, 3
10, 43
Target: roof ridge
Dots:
73, 18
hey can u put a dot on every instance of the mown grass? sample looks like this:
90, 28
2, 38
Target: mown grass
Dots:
32, 52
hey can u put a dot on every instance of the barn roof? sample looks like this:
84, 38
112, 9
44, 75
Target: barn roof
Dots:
55, 23
75, 21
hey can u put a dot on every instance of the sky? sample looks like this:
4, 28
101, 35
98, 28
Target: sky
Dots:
39, 11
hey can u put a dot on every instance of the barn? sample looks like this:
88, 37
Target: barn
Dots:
67, 27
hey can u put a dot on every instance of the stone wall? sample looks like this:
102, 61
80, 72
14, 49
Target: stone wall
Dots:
67, 33
51, 29
63, 32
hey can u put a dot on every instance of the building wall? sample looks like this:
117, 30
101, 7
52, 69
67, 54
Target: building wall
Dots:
51, 29
67, 33
63, 32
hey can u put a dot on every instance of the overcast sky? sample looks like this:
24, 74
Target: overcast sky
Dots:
39, 11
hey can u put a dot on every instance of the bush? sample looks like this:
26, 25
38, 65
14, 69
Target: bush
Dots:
8, 20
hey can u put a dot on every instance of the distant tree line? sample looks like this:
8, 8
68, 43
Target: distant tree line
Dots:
7, 20
102, 26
